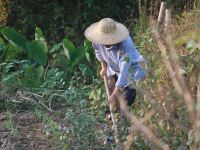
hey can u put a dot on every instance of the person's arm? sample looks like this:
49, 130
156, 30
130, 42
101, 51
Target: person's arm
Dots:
103, 71
99, 57
129, 55
122, 81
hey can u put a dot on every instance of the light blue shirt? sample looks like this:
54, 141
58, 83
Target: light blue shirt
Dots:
122, 59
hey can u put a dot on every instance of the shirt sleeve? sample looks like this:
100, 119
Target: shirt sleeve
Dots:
97, 52
130, 56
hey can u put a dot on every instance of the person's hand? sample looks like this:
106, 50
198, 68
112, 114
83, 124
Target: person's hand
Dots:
103, 72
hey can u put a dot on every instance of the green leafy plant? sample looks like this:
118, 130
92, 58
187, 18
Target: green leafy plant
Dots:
80, 58
36, 51
36, 55
14, 37
10, 123
52, 128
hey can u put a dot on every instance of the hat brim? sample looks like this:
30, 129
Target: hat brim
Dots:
93, 34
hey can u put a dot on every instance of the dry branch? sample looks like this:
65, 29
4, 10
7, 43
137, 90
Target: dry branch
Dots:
161, 12
197, 123
174, 57
166, 59
173, 65
140, 127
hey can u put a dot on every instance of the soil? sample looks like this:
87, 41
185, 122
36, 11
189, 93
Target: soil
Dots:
29, 133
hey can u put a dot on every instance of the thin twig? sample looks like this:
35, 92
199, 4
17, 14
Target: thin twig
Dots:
35, 102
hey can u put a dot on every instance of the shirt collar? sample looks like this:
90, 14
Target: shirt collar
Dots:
108, 48
114, 46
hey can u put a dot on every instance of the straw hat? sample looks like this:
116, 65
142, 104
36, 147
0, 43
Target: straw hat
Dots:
106, 32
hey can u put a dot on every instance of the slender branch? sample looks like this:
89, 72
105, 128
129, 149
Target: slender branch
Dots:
181, 91
161, 12
174, 56
140, 127
197, 123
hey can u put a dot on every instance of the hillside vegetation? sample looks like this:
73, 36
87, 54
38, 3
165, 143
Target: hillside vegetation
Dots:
51, 93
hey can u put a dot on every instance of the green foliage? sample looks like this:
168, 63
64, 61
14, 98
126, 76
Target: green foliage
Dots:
74, 55
78, 57
54, 79
89, 52
81, 124
36, 51
55, 47
52, 127
53, 19
78, 121
13, 52
39, 37
32, 76
14, 37
192, 46
10, 123
86, 71
11, 78
57, 69
32, 72
98, 98
80, 118
69, 48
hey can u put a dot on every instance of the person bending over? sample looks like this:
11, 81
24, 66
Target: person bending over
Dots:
119, 58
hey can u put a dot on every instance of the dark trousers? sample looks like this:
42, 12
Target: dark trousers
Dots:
128, 92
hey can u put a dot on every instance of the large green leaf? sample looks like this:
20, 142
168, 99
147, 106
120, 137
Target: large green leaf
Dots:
13, 51
69, 48
86, 70
89, 52
39, 37
55, 47
37, 52
40, 71
38, 33
77, 57
14, 37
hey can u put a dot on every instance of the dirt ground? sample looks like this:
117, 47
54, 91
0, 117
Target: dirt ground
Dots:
29, 133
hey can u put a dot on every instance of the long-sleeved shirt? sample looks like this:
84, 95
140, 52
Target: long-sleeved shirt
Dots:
122, 59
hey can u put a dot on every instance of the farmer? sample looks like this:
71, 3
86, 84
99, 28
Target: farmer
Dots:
118, 56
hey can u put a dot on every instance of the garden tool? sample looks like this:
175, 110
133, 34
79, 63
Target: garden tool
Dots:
111, 111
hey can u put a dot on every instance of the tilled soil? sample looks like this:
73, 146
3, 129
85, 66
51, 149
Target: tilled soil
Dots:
28, 136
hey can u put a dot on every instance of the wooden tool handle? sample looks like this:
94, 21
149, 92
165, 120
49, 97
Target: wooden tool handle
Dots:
111, 110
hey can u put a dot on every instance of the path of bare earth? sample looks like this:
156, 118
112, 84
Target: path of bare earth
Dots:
29, 133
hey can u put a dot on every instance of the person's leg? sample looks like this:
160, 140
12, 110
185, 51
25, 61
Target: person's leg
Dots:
129, 95
111, 85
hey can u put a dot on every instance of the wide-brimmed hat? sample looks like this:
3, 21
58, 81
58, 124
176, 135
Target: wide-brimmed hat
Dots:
106, 32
